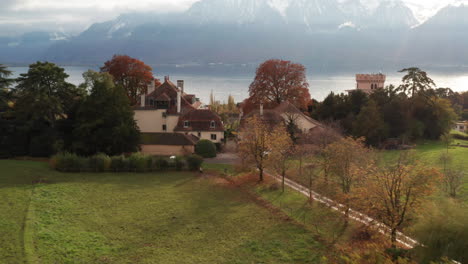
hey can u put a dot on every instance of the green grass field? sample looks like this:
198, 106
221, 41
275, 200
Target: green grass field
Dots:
429, 152
174, 217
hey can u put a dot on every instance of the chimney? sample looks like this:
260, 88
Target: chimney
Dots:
143, 100
151, 87
261, 109
166, 78
179, 101
180, 85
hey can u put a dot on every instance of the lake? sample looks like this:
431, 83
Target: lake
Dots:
238, 85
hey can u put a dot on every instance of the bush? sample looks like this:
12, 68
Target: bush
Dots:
179, 163
205, 148
68, 162
219, 147
160, 164
119, 164
139, 162
460, 136
99, 162
194, 162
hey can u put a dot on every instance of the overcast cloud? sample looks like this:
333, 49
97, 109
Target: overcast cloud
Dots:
73, 16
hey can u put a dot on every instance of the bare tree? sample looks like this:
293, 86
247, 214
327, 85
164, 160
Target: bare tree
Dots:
393, 191
453, 179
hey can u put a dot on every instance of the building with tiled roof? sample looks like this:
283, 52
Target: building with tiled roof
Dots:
283, 113
168, 109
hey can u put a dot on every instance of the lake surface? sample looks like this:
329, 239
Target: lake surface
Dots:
238, 85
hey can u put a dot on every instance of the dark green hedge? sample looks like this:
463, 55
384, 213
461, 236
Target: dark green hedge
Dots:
137, 162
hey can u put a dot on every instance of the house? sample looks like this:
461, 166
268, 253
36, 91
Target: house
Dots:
461, 126
165, 111
284, 113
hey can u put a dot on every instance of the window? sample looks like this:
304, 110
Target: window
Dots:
164, 114
164, 127
151, 101
186, 124
199, 134
213, 136
212, 124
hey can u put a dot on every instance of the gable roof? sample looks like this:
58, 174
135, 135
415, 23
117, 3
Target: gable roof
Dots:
171, 139
287, 107
272, 117
200, 120
167, 89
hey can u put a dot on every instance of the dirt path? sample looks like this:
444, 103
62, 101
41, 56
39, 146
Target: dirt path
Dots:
357, 216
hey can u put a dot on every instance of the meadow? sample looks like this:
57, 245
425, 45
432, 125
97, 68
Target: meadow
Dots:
169, 217
429, 153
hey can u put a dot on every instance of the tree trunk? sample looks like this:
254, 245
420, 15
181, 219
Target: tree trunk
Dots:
261, 174
283, 174
310, 189
393, 237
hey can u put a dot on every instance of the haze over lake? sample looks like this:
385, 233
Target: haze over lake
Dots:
223, 84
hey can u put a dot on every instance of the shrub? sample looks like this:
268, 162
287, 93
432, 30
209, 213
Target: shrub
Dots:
119, 164
218, 146
159, 164
139, 162
194, 162
179, 163
68, 162
99, 162
205, 148
460, 136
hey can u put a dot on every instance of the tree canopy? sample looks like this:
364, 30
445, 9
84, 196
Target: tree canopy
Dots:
415, 81
277, 81
105, 120
131, 74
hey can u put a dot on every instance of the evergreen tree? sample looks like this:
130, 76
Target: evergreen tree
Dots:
105, 121
369, 124
5, 93
43, 98
415, 81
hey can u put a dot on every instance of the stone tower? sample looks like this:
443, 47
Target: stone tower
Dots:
370, 82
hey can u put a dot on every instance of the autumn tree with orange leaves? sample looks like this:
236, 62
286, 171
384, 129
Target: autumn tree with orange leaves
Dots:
277, 81
392, 193
132, 74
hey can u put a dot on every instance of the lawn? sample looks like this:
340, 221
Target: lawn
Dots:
173, 217
429, 153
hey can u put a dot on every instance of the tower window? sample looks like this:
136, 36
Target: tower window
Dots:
186, 124
164, 127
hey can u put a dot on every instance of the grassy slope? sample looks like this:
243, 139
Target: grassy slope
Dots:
140, 218
429, 152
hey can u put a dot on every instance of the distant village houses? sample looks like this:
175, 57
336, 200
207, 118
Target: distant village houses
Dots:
172, 121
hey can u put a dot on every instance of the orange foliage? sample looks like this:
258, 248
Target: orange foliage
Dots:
132, 74
277, 81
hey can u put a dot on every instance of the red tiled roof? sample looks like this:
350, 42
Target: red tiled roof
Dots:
200, 120
169, 90
164, 97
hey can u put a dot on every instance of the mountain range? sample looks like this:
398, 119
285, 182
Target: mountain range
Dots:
325, 34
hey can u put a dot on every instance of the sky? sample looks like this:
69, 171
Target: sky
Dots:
74, 16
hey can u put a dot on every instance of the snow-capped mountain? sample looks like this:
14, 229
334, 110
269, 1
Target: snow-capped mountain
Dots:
333, 33
392, 14
451, 17
323, 14
233, 12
